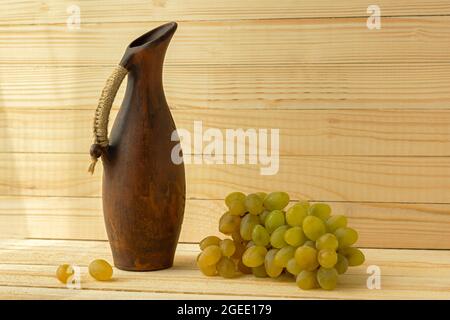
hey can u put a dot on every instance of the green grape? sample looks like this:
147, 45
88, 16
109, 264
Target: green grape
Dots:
228, 247
226, 268
327, 258
263, 216
272, 269
234, 196
211, 255
254, 204
292, 267
260, 272
208, 270
327, 278
354, 256
100, 270
327, 241
261, 195
320, 210
209, 241
294, 236
310, 243
237, 208
313, 227
243, 268
283, 256
335, 222
274, 220
346, 237
307, 280
342, 264
277, 237
276, 201
229, 223
260, 236
296, 214
306, 258
248, 222
254, 256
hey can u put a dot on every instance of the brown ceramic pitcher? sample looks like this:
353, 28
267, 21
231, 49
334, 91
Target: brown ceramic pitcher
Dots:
143, 189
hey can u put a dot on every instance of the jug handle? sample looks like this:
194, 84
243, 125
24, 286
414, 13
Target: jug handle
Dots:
102, 112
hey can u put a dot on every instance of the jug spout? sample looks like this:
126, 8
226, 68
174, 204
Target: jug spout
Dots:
151, 45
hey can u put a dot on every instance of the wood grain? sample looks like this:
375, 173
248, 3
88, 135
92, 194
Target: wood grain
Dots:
251, 42
367, 132
380, 225
333, 178
405, 274
55, 11
312, 86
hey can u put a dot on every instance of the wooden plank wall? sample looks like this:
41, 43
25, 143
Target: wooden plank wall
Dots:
364, 115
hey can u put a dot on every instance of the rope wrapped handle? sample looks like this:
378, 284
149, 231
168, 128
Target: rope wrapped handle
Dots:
102, 112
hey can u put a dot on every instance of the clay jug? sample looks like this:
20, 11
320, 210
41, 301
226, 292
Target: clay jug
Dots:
143, 189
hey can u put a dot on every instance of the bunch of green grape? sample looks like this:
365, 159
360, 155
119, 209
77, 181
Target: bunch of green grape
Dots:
305, 241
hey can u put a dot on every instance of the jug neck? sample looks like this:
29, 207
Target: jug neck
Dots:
144, 57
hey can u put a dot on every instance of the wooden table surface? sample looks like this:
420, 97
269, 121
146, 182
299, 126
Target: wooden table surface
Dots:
27, 269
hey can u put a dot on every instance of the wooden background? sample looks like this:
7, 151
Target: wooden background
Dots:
363, 114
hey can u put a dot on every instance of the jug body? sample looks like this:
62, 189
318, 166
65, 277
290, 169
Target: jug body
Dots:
143, 189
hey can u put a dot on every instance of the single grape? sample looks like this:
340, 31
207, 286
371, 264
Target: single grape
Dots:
310, 243
307, 280
274, 220
320, 210
243, 268
327, 258
292, 267
313, 227
354, 256
260, 236
100, 270
277, 237
226, 268
306, 258
296, 214
227, 247
272, 269
327, 241
254, 204
64, 272
283, 256
237, 208
342, 264
254, 256
261, 195
276, 201
229, 223
335, 222
294, 236
209, 271
209, 241
234, 196
248, 222
259, 272
327, 278
346, 237
263, 216
210, 256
